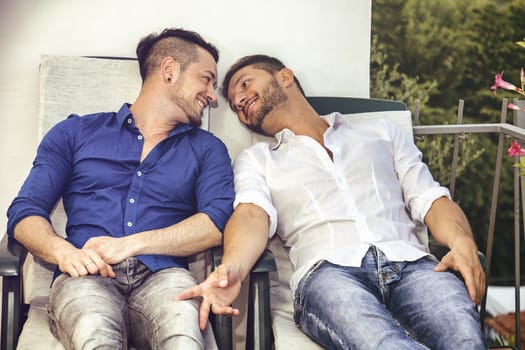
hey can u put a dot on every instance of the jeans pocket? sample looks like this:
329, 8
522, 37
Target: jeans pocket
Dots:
298, 302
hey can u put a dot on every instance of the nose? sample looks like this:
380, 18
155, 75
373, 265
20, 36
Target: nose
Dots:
211, 96
238, 101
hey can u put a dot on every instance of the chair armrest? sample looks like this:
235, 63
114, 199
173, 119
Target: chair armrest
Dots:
259, 331
12, 257
222, 325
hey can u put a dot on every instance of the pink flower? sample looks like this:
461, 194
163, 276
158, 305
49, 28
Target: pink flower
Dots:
515, 150
500, 83
513, 106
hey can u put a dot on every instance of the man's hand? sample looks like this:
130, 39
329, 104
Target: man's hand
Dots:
463, 258
83, 262
218, 291
112, 250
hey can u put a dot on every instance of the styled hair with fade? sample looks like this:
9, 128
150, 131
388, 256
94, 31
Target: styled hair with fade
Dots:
175, 42
267, 63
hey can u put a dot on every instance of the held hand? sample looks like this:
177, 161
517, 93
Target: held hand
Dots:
112, 250
80, 262
461, 259
218, 291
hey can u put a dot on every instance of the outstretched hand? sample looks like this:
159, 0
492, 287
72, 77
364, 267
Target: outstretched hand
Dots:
462, 259
218, 292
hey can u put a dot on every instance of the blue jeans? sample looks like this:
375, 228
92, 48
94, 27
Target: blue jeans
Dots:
94, 312
386, 305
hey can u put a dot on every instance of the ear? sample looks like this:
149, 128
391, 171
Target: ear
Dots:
285, 77
169, 69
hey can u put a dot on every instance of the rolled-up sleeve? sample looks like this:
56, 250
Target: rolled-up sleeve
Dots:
215, 193
420, 189
46, 180
250, 182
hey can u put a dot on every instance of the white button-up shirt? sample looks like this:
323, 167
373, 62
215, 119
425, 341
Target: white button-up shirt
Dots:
375, 191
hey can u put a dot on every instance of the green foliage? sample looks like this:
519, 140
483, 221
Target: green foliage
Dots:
387, 82
441, 51
438, 152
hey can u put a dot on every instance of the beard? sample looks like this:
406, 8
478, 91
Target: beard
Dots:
271, 97
190, 108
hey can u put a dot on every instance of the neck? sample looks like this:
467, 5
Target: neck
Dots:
151, 117
302, 119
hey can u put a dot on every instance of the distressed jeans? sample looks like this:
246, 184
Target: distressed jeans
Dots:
386, 305
94, 312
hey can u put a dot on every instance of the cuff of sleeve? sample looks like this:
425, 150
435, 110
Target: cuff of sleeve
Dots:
254, 198
423, 203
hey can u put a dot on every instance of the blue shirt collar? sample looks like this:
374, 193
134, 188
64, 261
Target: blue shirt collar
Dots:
125, 117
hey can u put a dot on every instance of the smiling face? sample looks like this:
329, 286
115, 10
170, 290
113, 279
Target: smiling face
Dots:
253, 94
194, 88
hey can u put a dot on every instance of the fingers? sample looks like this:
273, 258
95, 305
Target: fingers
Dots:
472, 274
475, 286
189, 293
204, 313
206, 308
224, 310
441, 267
78, 263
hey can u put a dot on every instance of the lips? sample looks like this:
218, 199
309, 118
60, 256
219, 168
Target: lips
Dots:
248, 106
202, 102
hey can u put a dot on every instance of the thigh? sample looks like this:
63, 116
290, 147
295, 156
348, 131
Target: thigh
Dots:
157, 320
87, 312
435, 307
342, 308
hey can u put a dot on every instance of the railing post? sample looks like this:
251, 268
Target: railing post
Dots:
519, 120
455, 152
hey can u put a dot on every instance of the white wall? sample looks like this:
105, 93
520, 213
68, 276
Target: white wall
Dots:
326, 42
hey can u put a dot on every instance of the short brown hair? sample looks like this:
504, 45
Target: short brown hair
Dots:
176, 42
270, 64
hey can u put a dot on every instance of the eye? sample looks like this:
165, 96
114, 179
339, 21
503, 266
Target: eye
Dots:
244, 83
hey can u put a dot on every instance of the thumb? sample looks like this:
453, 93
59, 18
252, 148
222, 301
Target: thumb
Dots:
222, 276
441, 267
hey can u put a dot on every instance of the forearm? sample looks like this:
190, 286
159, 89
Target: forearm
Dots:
190, 236
448, 223
40, 238
245, 238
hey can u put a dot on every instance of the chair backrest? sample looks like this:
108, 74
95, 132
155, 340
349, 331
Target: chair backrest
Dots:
347, 105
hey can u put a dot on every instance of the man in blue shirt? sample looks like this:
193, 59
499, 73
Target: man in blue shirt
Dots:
143, 188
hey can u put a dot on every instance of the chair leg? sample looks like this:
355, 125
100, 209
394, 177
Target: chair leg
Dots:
222, 326
11, 312
259, 333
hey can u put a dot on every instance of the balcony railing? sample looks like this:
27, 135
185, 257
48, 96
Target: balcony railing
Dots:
505, 131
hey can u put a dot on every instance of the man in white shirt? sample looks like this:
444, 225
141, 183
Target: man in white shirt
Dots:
345, 198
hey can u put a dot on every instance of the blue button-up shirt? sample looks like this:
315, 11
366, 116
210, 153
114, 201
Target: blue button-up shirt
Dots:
93, 163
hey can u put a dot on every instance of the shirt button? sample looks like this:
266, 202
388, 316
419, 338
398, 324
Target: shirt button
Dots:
132, 200
139, 173
129, 120
130, 224
139, 137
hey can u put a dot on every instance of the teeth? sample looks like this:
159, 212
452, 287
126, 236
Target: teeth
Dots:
249, 107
